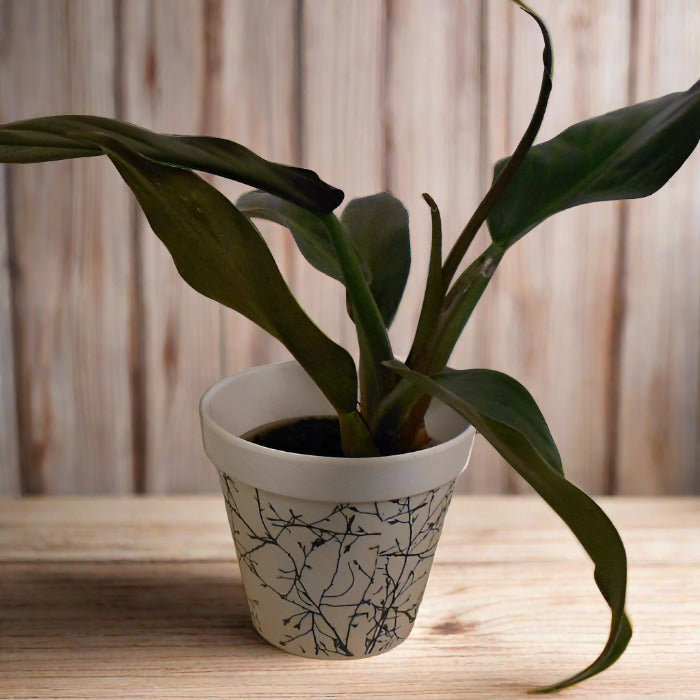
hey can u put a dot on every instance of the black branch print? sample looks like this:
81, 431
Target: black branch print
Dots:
334, 580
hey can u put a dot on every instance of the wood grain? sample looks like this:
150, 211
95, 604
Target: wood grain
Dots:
552, 295
73, 257
9, 434
258, 106
142, 597
435, 99
341, 131
659, 439
164, 88
597, 313
433, 104
488, 472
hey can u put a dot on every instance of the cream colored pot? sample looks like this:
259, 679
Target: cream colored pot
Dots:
334, 553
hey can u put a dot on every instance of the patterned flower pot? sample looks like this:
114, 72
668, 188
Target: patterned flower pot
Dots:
334, 552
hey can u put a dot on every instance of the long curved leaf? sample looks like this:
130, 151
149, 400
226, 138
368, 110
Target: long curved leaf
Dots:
221, 254
503, 411
378, 227
307, 228
71, 136
628, 153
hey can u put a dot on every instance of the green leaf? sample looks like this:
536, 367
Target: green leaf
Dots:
458, 306
372, 334
624, 154
70, 136
307, 228
222, 255
503, 411
434, 291
378, 227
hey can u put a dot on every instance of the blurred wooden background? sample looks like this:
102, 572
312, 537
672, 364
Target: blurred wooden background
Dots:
104, 351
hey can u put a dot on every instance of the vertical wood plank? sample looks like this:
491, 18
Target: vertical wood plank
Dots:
388, 94
341, 131
164, 89
9, 437
552, 296
488, 472
434, 87
660, 372
435, 108
72, 246
258, 108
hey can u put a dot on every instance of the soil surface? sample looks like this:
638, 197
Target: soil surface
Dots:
309, 436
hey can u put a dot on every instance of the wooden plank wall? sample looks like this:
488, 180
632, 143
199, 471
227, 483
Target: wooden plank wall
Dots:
104, 351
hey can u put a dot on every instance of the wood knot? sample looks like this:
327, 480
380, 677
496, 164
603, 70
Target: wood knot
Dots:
453, 626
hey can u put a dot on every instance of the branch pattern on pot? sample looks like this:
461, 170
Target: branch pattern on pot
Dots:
334, 580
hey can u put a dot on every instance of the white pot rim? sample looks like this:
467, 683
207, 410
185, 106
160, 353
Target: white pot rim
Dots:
245, 401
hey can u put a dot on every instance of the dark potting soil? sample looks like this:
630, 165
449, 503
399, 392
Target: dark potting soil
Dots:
309, 436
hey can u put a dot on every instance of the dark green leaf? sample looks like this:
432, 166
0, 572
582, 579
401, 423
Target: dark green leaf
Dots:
222, 255
307, 228
378, 227
459, 305
503, 411
434, 291
624, 154
70, 136
372, 334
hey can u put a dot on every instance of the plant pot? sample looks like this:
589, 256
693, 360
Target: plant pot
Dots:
334, 552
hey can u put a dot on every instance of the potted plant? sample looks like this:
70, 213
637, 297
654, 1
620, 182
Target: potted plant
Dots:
364, 494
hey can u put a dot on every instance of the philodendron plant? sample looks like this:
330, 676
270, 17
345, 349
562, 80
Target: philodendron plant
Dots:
381, 403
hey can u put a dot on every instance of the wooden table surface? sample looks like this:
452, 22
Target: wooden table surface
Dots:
135, 597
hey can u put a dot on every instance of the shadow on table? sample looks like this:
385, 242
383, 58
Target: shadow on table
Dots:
155, 603
187, 623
